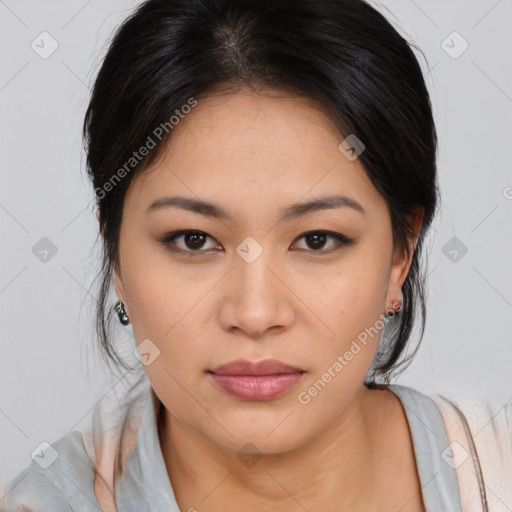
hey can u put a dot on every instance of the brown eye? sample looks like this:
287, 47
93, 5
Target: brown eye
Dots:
192, 241
316, 240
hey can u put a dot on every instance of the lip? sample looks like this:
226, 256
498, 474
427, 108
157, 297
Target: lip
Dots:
245, 367
256, 380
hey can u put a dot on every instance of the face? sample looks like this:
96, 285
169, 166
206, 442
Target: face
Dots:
254, 275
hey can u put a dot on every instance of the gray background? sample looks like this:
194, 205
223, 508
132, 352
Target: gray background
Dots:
50, 378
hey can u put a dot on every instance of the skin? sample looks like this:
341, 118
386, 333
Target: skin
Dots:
300, 302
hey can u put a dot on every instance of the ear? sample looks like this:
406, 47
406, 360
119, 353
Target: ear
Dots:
401, 263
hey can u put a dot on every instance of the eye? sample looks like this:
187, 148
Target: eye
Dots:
317, 240
193, 241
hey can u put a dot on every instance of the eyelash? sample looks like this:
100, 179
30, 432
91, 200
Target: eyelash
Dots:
169, 239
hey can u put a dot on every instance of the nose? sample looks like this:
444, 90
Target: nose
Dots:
258, 299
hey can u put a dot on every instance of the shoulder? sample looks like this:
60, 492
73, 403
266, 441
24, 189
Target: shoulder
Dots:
487, 421
479, 441
422, 411
80, 468
484, 418
59, 478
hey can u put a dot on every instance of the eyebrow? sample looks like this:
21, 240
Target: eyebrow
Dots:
211, 210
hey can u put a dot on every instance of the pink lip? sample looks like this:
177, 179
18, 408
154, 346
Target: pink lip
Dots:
256, 381
265, 367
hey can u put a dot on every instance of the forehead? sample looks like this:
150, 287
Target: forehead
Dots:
253, 145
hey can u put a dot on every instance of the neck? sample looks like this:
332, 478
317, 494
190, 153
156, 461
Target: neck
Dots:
335, 469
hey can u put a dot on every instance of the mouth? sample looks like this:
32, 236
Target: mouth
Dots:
256, 380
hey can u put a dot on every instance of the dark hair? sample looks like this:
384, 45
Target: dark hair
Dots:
343, 54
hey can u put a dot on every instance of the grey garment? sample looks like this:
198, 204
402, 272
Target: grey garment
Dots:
67, 485
438, 479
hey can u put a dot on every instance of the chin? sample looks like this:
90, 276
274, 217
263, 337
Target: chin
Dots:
259, 438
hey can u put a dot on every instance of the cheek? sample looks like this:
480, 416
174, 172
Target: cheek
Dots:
352, 297
170, 322
160, 294
172, 319
350, 304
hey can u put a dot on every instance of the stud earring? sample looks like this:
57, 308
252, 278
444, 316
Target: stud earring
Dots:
394, 311
123, 317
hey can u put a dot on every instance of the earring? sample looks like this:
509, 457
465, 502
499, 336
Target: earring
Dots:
123, 317
392, 313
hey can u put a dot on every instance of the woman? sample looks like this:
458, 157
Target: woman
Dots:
265, 176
